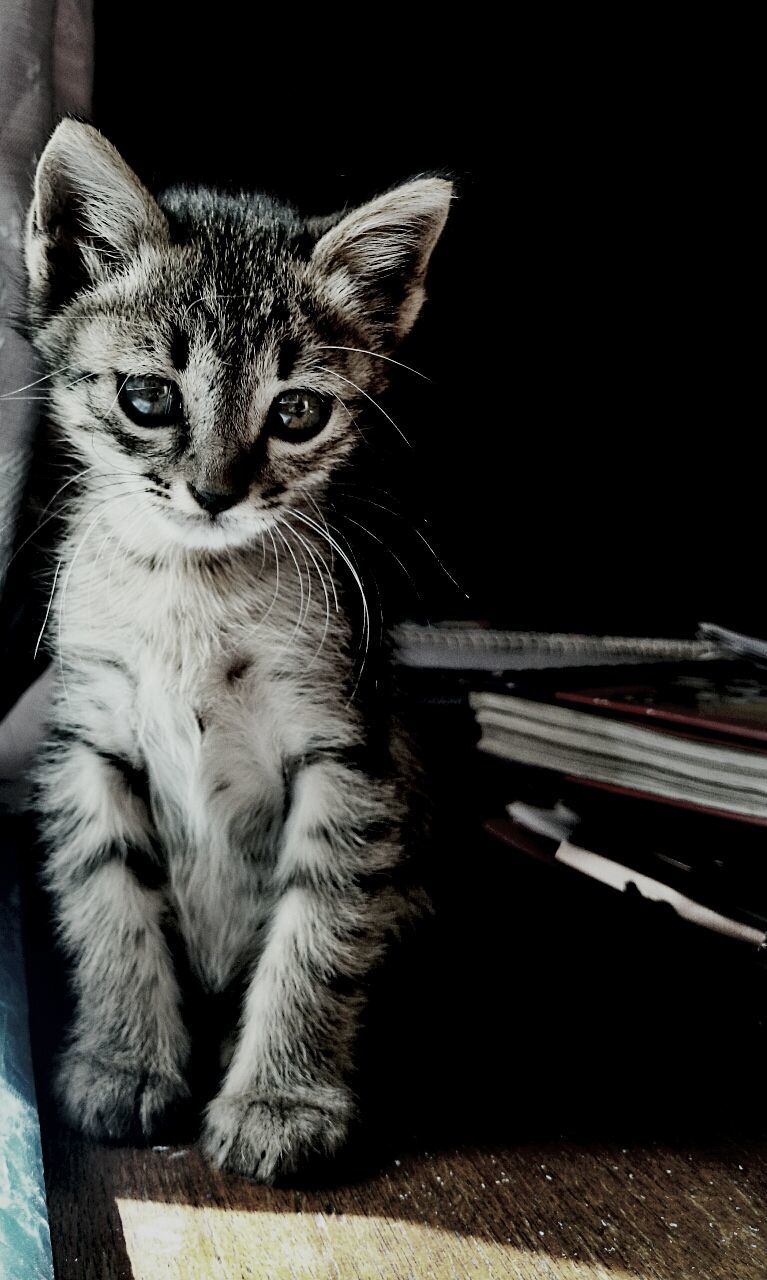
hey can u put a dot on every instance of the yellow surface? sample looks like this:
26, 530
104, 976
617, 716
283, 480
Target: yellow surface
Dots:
531, 1212
178, 1242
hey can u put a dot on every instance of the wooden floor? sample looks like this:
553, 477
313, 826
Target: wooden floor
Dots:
529, 1212
560, 1083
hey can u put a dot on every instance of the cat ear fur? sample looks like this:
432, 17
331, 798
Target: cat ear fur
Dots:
89, 209
374, 259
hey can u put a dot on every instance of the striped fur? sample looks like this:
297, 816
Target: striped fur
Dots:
207, 770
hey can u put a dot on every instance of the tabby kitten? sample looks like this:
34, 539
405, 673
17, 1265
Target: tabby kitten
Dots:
209, 771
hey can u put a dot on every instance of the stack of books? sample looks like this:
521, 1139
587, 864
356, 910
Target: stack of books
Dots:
639, 763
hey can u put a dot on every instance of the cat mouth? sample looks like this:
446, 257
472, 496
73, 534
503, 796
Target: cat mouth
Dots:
202, 519
235, 524
219, 519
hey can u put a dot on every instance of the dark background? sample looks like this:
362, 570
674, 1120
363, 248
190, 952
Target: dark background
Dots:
591, 451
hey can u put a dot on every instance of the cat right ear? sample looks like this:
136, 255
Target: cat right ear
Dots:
89, 212
373, 260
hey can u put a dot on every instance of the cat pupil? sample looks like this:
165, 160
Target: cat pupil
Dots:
299, 414
150, 399
294, 409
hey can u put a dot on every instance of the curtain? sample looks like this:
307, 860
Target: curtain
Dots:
46, 62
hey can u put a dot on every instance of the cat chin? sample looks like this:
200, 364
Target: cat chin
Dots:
199, 533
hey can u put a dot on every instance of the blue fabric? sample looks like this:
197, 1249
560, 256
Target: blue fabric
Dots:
25, 1246
46, 58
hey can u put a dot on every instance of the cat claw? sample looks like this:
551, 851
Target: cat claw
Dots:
268, 1137
109, 1102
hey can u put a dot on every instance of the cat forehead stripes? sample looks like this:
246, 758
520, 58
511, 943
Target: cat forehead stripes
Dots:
226, 343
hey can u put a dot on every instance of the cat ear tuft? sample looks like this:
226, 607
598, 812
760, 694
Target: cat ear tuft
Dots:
374, 259
89, 211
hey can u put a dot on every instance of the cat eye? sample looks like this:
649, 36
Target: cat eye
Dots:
149, 400
298, 415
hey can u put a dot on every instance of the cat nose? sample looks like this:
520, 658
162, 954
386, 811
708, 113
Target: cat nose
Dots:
215, 500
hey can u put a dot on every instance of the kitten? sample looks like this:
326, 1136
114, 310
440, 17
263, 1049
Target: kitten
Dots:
210, 771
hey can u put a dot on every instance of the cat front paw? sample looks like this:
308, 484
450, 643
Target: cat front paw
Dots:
108, 1100
269, 1136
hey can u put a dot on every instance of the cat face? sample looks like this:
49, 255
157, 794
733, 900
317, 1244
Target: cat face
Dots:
212, 352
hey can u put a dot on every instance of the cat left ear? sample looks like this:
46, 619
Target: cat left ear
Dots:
374, 260
89, 210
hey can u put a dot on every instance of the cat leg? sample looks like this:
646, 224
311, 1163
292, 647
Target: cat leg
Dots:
123, 1066
286, 1094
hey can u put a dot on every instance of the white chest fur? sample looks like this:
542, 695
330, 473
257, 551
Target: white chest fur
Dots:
202, 681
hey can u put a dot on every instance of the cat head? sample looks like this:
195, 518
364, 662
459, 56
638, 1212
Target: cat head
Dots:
211, 352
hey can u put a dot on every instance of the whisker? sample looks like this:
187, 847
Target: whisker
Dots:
102, 545
351, 417
307, 547
308, 573
264, 616
120, 542
386, 548
196, 303
62, 601
77, 381
48, 504
320, 514
375, 403
68, 506
48, 610
325, 534
398, 515
328, 568
117, 397
347, 540
300, 621
37, 381
60, 513
377, 356
132, 493
104, 253
358, 581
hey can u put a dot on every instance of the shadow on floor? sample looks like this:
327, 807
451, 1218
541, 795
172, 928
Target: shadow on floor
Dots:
531, 1014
